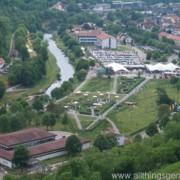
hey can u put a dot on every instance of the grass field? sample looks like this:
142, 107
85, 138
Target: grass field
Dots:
86, 120
123, 48
104, 125
129, 120
98, 84
51, 76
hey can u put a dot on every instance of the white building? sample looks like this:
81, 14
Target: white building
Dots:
96, 38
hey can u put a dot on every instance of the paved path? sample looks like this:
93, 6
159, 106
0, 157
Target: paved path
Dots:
120, 101
116, 130
78, 122
115, 84
140, 53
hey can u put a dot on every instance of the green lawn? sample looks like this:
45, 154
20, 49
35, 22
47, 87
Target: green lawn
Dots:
86, 120
51, 76
130, 120
98, 84
123, 48
103, 125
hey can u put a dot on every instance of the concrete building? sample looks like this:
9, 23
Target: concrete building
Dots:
41, 145
96, 38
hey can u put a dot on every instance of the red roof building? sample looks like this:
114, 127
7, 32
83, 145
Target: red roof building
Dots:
170, 36
97, 38
41, 145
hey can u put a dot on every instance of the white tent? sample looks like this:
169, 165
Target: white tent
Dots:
162, 67
117, 67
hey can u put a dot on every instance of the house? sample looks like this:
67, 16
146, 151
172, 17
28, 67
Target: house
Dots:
98, 39
101, 8
2, 62
59, 6
41, 145
170, 36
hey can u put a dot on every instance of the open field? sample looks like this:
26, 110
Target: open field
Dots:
144, 112
103, 125
98, 84
51, 76
86, 120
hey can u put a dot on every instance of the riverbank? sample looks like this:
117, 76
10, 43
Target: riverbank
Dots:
49, 78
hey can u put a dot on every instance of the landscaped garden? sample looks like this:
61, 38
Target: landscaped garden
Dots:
144, 109
126, 84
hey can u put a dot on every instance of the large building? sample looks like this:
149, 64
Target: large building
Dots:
96, 38
41, 145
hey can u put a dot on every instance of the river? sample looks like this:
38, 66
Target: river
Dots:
66, 69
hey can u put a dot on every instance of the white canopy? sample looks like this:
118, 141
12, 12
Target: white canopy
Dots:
162, 67
117, 67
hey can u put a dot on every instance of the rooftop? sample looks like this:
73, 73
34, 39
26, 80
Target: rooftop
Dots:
170, 36
23, 136
2, 61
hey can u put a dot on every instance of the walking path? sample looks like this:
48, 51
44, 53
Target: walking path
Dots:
115, 84
78, 122
116, 130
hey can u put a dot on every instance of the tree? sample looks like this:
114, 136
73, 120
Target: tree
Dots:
163, 110
165, 119
16, 106
2, 89
174, 80
65, 120
103, 142
176, 117
138, 138
81, 75
49, 120
21, 157
151, 129
178, 86
109, 71
4, 124
38, 105
73, 144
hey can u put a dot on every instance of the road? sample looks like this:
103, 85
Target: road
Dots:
140, 53
116, 130
172, 57
1, 175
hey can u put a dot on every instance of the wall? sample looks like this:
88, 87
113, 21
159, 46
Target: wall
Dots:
5, 162
55, 154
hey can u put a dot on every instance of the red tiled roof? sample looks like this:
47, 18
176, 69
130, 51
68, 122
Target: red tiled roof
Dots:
6, 154
2, 61
89, 33
170, 36
104, 36
42, 148
23, 136
51, 146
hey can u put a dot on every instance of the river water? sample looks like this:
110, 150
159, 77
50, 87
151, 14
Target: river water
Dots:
66, 69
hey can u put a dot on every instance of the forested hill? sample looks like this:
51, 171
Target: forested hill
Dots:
14, 12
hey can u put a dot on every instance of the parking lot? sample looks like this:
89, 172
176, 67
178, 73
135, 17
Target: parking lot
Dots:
124, 58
